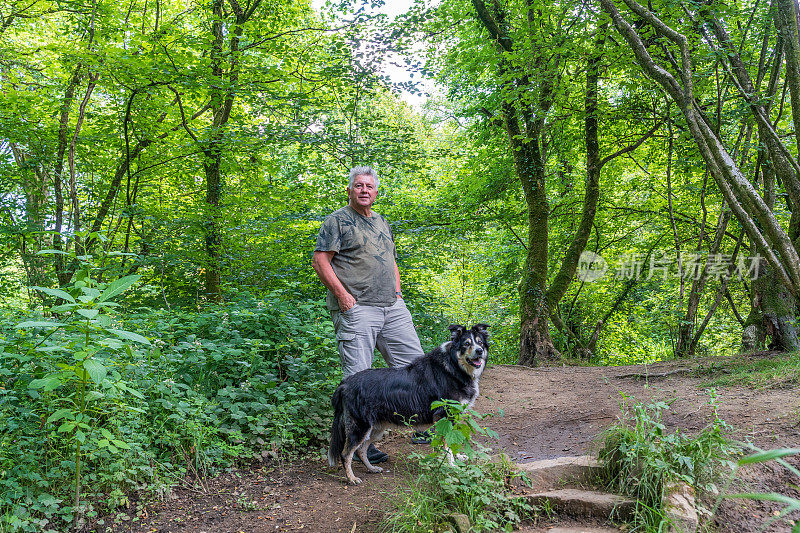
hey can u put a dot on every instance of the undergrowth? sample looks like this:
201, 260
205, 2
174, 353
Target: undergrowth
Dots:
469, 484
100, 409
640, 457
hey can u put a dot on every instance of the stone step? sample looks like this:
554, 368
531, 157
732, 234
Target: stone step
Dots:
556, 473
579, 529
577, 502
571, 526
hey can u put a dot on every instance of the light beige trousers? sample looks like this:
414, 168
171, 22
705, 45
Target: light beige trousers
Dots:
362, 328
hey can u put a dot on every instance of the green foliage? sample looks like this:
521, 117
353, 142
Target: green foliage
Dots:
70, 377
640, 457
468, 484
141, 401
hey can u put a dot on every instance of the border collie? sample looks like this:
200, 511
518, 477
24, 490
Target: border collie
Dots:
368, 402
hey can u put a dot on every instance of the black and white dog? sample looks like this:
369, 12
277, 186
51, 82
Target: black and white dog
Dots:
368, 402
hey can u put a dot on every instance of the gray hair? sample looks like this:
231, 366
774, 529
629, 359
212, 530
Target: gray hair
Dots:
363, 171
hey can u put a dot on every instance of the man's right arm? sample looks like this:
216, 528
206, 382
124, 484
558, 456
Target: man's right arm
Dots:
322, 266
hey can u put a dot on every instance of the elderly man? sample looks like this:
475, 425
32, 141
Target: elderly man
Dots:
355, 259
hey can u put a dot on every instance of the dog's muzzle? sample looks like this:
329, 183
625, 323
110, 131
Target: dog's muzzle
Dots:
477, 360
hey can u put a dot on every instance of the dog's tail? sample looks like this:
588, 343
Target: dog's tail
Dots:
337, 428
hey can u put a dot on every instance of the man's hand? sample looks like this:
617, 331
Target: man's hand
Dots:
346, 302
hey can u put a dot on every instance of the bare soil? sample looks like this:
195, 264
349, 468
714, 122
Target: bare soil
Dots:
546, 413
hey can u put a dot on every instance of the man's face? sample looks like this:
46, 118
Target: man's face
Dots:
363, 191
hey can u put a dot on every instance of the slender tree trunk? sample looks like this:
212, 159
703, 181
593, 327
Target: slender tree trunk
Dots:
524, 122
75, 206
36, 194
62, 273
686, 328
787, 21
221, 105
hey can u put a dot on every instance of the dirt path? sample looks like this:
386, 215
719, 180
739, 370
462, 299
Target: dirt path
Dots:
547, 412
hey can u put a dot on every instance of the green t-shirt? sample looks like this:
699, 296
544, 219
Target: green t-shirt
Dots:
365, 256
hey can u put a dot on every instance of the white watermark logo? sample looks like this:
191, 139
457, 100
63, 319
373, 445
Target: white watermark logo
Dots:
662, 265
591, 266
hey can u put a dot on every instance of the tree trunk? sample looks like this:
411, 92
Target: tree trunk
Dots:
773, 315
535, 344
61, 266
686, 328
213, 239
524, 122
786, 21
36, 196
221, 105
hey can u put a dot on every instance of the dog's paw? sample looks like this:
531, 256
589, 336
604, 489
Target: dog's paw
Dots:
461, 457
375, 469
355, 480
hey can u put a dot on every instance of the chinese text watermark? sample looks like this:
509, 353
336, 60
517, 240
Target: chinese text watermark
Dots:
662, 265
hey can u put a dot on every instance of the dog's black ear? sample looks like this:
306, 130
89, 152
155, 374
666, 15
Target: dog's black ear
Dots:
481, 329
456, 331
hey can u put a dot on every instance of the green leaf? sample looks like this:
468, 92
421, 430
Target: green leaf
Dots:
40, 324
45, 252
46, 384
121, 444
96, 370
119, 286
88, 313
49, 349
130, 336
772, 497
69, 425
63, 308
94, 395
64, 295
444, 426
768, 455
454, 437
58, 415
89, 294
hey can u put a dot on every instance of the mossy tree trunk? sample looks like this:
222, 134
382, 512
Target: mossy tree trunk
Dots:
524, 121
773, 315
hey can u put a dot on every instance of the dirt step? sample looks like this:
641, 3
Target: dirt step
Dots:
576, 502
556, 473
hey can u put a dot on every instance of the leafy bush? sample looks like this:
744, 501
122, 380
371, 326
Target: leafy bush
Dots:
640, 457
472, 486
103, 406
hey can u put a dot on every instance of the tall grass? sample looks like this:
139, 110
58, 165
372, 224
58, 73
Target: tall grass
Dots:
641, 457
